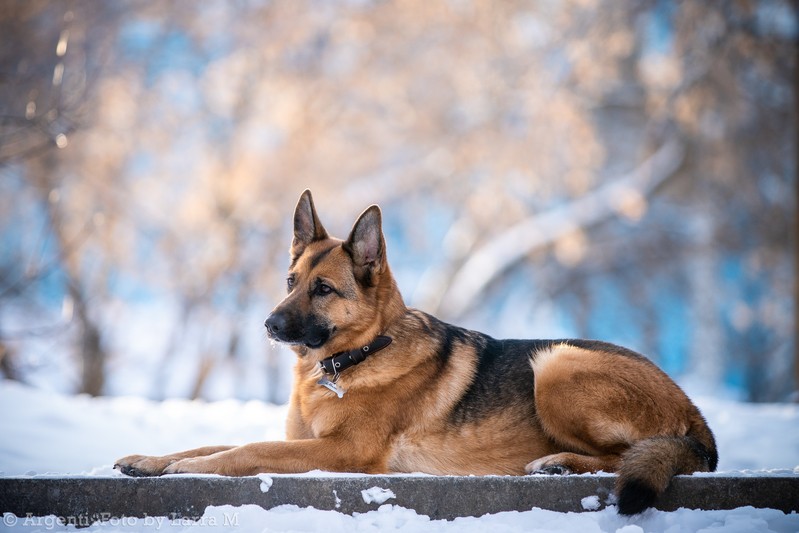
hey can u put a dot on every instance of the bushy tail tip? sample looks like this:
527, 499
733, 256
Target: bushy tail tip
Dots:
648, 466
635, 496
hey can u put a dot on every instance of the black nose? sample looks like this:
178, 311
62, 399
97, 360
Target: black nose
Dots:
275, 323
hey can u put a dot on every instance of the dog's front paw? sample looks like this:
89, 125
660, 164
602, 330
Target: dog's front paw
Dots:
193, 465
142, 465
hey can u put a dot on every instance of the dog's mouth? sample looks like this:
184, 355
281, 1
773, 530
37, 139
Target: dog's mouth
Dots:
312, 343
315, 343
318, 337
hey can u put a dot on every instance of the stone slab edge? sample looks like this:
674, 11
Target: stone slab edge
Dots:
83, 499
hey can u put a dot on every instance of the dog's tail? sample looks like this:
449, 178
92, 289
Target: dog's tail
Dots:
648, 466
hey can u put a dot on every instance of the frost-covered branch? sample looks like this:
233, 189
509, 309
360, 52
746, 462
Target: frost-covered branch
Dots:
544, 229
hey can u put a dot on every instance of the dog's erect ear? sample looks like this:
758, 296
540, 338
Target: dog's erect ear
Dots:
307, 228
367, 247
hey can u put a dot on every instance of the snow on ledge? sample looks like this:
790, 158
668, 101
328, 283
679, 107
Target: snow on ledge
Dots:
377, 495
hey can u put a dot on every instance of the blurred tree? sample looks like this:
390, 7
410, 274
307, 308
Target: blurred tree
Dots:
47, 64
625, 165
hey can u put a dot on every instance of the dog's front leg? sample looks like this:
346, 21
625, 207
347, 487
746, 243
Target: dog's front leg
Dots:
330, 454
153, 465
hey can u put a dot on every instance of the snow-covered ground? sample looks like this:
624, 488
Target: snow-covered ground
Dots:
46, 433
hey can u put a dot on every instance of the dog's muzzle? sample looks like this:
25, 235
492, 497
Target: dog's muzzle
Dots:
310, 332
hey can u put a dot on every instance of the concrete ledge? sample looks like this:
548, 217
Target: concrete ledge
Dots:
83, 500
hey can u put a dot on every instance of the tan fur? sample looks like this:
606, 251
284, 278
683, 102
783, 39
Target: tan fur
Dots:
589, 409
614, 400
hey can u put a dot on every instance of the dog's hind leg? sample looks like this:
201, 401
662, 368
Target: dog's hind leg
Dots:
573, 463
595, 404
606, 408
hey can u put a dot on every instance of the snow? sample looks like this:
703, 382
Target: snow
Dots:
266, 482
590, 503
377, 495
251, 519
46, 433
93, 432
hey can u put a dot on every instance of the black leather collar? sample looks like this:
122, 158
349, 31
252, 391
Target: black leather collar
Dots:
338, 363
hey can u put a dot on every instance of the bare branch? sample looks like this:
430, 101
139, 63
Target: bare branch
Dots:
537, 231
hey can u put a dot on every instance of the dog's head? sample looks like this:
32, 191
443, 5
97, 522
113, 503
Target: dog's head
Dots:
340, 293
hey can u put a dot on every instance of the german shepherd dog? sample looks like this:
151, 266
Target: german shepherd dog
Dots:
383, 388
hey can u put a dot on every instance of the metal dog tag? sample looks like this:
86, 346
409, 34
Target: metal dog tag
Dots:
332, 386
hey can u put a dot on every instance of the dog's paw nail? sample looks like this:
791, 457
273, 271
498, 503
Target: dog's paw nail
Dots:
132, 471
554, 470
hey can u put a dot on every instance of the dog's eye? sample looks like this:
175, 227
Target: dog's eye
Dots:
290, 283
323, 289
